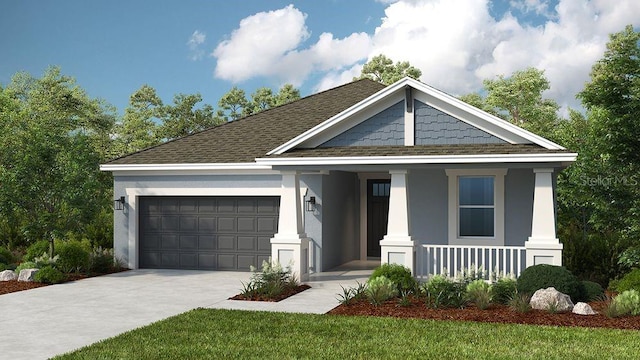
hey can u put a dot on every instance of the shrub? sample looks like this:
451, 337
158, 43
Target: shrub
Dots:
271, 282
479, 293
73, 257
504, 290
543, 276
49, 275
26, 265
3, 267
101, 260
592, 291
400, 275
520, 303
46, 260
631, 281
6, 257
36, 249
442, 291
472, 273
627, 303
380, 289
630, 258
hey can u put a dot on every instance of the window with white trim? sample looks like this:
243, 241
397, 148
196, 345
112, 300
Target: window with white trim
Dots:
476, 206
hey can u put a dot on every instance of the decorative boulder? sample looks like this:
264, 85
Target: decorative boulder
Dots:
583, 309
544, 298
8, 275
27, 274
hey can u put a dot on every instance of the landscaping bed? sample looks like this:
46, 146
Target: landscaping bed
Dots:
285, 294
494, 314
7, 287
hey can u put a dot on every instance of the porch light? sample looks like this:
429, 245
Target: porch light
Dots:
118, 204
311, 204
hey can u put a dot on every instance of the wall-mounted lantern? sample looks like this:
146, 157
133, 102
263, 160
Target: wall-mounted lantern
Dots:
118, 204
311, 204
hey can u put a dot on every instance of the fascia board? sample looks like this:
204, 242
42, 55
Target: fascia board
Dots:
430, 159
186, 167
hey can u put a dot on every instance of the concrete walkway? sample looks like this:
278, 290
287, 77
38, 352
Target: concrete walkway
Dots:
52, 320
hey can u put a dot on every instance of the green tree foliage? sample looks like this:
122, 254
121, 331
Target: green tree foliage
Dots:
382, 69
286, 94
139, 126
54, 137
183, 118
518, 99
232, 104
235, 104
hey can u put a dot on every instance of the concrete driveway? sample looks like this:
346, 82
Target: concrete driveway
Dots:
52, 320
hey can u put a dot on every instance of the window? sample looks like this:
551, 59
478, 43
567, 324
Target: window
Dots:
476, 207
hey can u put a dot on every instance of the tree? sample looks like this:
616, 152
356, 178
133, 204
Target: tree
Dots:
139, 126
382, 69
262, 99
182, 118
286, 94
232, 104
52, 144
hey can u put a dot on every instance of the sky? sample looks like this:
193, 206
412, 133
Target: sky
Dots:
113, 47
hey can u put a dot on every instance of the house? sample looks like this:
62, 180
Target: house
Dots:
402, 173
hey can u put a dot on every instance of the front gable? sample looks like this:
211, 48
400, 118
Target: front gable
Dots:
410, 113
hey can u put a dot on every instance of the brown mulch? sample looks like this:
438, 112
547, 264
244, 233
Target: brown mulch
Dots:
494, 314
7, 287
284, 295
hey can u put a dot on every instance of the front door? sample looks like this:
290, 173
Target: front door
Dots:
377, 214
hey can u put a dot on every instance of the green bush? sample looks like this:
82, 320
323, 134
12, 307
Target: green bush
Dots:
592, 291
442, 291
543, 276
631, 281
73, 257
6, 257
269, 283
380, 289
630, 258
36, 249
479, 293
504, 290
49, 275
26, 265
3, 267
101, 260
628, 303
400, 275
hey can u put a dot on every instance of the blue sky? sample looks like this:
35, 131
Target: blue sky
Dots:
114, 47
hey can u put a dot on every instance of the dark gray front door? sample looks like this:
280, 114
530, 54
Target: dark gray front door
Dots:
206, 233
377, 214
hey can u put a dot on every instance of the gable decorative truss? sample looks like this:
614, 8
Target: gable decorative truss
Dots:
407, 90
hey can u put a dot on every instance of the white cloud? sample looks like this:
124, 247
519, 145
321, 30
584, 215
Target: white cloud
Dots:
195, 41
268, 44
540, 7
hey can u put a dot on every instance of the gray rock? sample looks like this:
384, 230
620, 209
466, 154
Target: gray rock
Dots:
543, 299
8, 275
583, 309
27, 274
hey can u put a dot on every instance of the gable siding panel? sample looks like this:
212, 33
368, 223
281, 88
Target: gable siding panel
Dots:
434, 127
384, 128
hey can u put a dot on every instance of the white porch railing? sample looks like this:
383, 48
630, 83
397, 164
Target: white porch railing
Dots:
451, 260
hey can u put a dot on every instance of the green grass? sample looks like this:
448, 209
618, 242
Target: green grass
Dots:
230, 334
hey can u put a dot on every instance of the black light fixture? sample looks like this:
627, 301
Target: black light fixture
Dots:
118, 204
311, 204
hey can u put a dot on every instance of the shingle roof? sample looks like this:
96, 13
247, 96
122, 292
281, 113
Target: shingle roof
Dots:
248, 138
422, 150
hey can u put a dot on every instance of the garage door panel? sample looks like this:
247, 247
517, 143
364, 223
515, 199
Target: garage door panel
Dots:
227, 262
261, 259
213, 233
246, 225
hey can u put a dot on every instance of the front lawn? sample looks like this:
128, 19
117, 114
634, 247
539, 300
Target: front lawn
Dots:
225, 334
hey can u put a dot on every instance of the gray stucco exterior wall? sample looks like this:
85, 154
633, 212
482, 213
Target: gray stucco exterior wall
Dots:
384, 128
341, 219
313, 220
518, 208
434, 127
428, 206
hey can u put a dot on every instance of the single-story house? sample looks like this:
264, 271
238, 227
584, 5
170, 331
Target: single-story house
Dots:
403, 173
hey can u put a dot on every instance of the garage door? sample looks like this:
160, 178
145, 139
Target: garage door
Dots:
206, 233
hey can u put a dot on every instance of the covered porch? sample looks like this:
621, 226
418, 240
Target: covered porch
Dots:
326, 219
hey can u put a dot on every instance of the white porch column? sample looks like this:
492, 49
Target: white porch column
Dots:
290, 246
543, 247
397, 246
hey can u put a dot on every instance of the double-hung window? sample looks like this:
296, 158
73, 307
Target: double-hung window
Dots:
476, 206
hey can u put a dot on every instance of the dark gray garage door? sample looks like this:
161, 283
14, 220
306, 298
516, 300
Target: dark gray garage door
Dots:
206, 233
